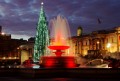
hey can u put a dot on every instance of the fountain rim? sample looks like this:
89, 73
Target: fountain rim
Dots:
58, 47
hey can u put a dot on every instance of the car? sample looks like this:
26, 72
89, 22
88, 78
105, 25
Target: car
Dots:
96, 63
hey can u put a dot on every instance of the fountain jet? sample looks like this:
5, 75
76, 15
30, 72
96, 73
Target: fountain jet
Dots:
60, 34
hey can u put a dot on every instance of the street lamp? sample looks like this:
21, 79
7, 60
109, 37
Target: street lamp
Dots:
98, 42
108, 46
98, 45
3, 33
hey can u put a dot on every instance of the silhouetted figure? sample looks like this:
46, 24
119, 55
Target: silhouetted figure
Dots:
114, 63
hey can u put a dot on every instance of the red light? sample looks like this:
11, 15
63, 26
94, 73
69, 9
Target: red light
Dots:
53, 62
49, 63
58, 60
58, 47
70, 64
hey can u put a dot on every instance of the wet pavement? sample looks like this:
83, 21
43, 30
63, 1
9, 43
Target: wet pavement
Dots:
52, 79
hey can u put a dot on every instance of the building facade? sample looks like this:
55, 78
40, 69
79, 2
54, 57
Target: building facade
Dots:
102, 42
9, 49
96, 43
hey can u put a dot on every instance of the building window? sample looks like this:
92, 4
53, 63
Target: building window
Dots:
106, 40
112, 39
86, 42
119, 38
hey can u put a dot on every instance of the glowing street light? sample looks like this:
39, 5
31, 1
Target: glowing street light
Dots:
98, 45
98, 42
3, 33
108, 45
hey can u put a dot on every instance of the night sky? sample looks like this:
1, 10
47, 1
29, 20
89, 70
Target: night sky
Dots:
19, 17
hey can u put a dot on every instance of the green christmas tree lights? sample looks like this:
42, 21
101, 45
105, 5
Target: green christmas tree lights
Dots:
42, 37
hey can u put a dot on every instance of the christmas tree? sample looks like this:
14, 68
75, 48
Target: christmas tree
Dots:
42, 37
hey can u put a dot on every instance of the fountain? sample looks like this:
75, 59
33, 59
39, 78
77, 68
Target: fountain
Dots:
60, 34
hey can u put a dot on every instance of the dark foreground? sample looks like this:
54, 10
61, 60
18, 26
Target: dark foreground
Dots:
60, 74
52, 79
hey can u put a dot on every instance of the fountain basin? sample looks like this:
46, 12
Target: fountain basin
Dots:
58, 49
58, 62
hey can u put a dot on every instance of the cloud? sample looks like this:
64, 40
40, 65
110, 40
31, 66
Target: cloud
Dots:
19, 36
20, 17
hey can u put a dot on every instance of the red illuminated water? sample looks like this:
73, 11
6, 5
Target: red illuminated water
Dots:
60, 35
60, 31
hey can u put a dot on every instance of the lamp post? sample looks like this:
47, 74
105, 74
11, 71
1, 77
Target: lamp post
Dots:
108, 46
98, 45
3, 33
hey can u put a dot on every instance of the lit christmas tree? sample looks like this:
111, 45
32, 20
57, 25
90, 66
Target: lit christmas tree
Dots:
42, 37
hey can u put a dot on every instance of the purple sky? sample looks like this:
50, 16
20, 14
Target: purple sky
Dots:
19, 17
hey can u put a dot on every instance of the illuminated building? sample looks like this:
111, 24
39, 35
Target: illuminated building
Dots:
97, 42
101, 42
79, 31
26, 51
9, 49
